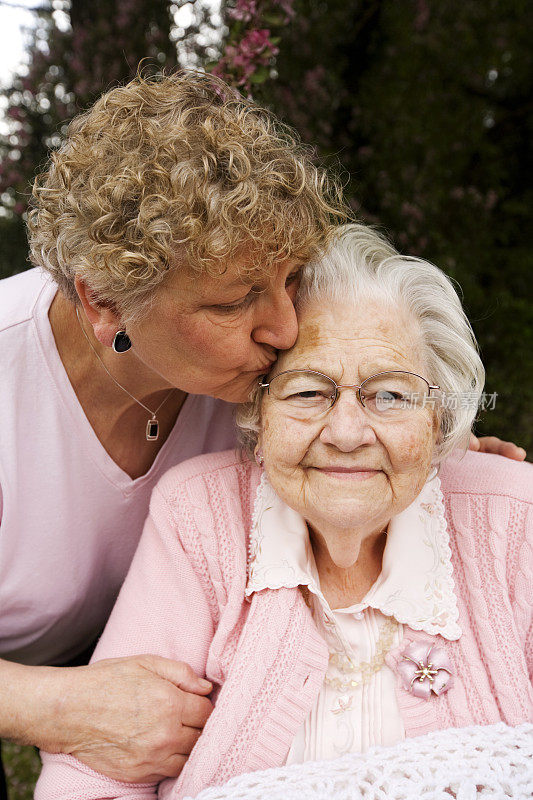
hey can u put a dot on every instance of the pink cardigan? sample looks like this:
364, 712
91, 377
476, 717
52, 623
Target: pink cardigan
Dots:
184, 599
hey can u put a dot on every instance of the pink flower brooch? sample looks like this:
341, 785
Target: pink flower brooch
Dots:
424, 668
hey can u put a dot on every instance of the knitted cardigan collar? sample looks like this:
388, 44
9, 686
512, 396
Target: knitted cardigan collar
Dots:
415, 585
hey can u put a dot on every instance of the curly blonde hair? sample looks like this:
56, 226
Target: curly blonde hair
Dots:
171, 171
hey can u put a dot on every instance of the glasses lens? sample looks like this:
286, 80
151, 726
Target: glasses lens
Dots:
304, 394
394, 394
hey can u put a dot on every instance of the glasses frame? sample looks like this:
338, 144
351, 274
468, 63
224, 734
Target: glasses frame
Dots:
338, 386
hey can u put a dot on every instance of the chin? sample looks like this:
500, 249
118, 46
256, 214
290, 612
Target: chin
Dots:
343, 513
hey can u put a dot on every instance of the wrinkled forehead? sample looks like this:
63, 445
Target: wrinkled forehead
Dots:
352, 337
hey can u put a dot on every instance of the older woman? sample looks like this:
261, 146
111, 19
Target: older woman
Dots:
339, 593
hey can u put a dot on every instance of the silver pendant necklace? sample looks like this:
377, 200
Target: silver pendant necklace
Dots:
152, 426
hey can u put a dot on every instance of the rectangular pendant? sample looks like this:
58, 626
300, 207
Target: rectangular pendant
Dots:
152, 430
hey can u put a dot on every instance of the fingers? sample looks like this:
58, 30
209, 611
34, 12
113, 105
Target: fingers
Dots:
178, 673
196, 710
174, 765
474, 443
510, 450
187, 739
491, 444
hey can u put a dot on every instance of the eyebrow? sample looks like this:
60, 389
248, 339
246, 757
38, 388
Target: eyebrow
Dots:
372, 369
246, 282
239, 282
257, 276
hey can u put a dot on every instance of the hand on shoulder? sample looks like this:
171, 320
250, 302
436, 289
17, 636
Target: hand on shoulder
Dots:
491, 444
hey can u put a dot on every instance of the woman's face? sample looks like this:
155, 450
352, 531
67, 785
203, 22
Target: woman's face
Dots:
215, 335
344, 471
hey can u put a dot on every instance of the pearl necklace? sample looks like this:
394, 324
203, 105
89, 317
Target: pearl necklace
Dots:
342, 662
356, 675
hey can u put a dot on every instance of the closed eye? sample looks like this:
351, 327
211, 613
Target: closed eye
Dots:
311, 394
240, 304
227, 308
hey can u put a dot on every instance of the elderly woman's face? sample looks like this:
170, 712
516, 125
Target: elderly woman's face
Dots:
345, 471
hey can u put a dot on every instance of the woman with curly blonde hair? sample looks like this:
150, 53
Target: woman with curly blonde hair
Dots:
168, 233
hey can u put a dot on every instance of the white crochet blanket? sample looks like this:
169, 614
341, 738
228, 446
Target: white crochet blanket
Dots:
494, 761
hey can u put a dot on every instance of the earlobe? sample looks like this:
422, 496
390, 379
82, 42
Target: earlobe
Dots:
258, 453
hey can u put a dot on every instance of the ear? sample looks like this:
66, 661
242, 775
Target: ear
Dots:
258, 454
104, 319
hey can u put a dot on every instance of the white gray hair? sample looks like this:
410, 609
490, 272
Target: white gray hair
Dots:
361, 264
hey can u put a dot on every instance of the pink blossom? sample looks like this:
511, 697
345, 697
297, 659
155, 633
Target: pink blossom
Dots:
244, 11
424, 668
251, 49
254, 50
255, 42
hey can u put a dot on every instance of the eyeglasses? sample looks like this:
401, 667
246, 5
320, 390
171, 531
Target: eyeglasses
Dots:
386, 395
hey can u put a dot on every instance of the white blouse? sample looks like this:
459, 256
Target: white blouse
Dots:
356, 707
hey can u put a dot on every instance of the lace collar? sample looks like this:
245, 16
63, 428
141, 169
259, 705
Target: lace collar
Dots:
415, 585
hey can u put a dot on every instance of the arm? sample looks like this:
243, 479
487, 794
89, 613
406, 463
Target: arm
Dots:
162, 610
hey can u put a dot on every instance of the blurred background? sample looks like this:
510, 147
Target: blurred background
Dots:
425, 108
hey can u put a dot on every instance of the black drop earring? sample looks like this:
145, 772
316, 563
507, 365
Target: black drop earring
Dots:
121, 342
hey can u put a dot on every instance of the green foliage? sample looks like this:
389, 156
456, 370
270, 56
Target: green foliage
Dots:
13, 246
22, 766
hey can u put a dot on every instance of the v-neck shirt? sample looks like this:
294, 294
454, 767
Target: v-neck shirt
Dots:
70, 517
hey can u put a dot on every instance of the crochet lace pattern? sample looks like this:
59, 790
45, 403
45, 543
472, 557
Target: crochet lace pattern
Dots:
493, 761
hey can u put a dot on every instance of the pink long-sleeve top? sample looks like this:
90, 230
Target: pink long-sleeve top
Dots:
185, 598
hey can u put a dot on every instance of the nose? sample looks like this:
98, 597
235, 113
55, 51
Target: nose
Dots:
347, 426
276, 323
